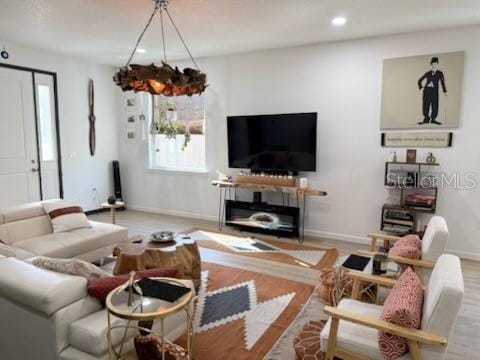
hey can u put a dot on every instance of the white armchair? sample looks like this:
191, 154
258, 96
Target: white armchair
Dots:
351, 331
434, 242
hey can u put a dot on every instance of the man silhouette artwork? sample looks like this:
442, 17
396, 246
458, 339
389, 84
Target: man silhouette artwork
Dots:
429, 82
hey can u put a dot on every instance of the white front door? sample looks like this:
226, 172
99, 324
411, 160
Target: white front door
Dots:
19, 175
47, 134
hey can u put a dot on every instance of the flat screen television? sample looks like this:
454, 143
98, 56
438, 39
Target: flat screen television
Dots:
273, 143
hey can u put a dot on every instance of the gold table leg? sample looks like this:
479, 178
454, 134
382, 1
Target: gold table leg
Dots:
112, 213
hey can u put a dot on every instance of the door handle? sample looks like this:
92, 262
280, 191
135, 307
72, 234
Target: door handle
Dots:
34, 169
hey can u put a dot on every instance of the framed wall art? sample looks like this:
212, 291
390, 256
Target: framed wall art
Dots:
422, 92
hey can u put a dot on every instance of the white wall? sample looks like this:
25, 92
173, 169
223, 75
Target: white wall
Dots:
81, 172
342, 82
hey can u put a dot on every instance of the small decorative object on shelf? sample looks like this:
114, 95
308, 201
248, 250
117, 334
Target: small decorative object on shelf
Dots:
112, 200
411, 156
431, 159
392, 156
303, 183
223, 177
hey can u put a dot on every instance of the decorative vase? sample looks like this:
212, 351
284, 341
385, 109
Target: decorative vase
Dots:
431, 159
112, 200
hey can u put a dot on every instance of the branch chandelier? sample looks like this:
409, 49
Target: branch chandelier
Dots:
161, 80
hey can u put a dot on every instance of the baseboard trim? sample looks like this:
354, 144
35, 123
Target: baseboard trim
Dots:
337, 236
464, 255
309, 232
96, 211
183, 214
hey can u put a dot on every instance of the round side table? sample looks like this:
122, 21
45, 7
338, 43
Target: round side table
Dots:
113, 208
143, 308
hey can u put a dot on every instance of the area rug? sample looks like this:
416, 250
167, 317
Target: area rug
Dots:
285, 252
241, 314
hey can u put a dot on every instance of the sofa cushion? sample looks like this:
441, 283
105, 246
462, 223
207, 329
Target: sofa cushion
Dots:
99, 235
73, 243
74, 267
15, 231
57, 245
42, 290
12, 251
100, 288
22, 212
403, 307
66, 216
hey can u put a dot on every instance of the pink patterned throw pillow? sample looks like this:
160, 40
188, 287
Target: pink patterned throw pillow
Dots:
410, 240
403, 307
407, 251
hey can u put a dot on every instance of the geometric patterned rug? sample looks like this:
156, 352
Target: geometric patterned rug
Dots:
286, 252
241, 314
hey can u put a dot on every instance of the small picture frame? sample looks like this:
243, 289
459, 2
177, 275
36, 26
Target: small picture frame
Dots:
131, 102
411, 156
131, 135
131, 119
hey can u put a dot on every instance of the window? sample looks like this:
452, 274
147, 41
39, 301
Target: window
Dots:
177, 133
47, 140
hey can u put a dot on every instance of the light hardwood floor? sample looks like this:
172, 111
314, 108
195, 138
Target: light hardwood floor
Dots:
465, 343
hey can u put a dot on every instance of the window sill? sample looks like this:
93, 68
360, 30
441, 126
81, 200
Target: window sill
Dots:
179, 171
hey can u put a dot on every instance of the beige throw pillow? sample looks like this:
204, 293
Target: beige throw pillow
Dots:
74, 267
66, 216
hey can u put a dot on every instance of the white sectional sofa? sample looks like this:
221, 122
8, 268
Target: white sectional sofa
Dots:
47, 315
28, 232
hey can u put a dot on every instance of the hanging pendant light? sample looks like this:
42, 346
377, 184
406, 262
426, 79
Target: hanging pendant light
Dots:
161, 80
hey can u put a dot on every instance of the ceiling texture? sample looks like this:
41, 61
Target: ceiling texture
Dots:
105, 31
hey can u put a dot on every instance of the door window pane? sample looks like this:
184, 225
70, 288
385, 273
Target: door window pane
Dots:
47, 138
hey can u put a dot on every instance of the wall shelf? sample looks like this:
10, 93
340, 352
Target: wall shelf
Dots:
418, 194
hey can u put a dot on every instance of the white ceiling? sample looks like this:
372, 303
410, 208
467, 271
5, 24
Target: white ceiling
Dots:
105, 30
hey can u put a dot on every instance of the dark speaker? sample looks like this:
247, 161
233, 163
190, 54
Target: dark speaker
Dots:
117, 185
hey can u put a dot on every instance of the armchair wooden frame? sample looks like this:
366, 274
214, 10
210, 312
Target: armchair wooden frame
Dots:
414, 337
386, 240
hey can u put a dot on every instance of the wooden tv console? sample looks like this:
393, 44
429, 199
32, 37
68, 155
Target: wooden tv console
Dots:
226, 188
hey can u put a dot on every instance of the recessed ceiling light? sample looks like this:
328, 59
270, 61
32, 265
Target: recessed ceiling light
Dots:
339, 21
141, 51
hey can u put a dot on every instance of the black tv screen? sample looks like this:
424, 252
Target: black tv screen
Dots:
286, 142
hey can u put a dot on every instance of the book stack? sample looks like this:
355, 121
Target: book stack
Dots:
398, 221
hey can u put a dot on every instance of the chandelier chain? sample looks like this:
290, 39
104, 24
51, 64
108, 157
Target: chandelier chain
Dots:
181, 38
155, 10
163, 36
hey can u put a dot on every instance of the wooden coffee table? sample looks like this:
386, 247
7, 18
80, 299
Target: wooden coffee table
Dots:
141, 254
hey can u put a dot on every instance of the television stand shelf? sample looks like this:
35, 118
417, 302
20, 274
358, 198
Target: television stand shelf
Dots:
227, 190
